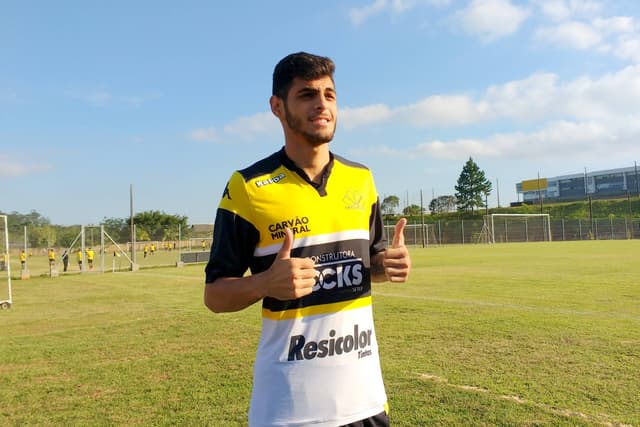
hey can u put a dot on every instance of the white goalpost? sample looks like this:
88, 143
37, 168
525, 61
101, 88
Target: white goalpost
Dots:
527, 230
5, 262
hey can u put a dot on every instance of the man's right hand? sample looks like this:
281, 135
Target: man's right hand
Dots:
289, 278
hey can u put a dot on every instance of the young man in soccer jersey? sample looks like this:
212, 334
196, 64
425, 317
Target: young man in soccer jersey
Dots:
307, 224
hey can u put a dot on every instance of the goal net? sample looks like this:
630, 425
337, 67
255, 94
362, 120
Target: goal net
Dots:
5, 265
520, 228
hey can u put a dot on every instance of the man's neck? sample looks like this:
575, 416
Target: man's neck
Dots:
312, 159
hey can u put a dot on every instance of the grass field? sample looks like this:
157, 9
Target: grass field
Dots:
544, 334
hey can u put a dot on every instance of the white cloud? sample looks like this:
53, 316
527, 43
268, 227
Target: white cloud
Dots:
246, 129
573, 34
583, 118
249, 127
615, 24
10, 167
358, 15
204, 134
491, 19
559, 10
628, 48
357, 117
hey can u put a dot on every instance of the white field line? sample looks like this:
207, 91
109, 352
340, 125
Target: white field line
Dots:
512, 306
601, 419
166, 276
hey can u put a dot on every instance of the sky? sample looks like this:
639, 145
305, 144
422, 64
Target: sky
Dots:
169, 98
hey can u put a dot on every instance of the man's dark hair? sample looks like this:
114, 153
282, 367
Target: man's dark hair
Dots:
302, 65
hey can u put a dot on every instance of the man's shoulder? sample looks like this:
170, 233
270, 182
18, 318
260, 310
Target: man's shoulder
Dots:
349, 163
262, 166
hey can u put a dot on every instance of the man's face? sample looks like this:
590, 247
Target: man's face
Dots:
311, 109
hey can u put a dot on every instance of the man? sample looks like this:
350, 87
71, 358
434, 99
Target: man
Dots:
51, 254
23, 260
65, 260
307, 223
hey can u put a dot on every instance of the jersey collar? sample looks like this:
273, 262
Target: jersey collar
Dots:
321, 187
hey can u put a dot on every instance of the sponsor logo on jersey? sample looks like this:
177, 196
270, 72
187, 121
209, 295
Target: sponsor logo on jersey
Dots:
226, 192
341, 274
273, 180
296, 225
301, 348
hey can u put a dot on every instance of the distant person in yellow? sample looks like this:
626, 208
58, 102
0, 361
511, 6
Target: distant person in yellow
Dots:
204, 245
51, 254
153, 248
90, 256
79, 256
23, 259
145, 250
4, 261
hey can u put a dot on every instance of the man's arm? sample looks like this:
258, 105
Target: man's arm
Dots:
287, 278
394, 263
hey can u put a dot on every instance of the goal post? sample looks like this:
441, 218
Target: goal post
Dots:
5, 264
524, 227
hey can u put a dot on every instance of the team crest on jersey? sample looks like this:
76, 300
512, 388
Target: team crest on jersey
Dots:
352, 199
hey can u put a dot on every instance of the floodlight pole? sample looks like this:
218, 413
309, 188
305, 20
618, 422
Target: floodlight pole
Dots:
82, 249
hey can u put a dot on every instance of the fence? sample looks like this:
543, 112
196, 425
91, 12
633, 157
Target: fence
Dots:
72, 249
115, 255
516, 230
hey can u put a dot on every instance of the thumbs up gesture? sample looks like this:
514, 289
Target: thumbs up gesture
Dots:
289, 278
396, 261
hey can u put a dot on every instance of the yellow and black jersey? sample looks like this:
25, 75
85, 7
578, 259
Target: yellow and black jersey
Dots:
317, 360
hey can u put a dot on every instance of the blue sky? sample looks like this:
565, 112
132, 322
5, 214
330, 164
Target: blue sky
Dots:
171, 97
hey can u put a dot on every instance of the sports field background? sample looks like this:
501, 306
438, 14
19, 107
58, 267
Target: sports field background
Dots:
505, 334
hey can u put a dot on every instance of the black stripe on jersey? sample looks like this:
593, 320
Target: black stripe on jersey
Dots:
262, 167
343, 274
349, 162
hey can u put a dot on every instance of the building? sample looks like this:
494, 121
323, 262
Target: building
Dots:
598, 184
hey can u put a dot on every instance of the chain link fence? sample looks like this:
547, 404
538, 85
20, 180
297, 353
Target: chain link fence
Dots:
111, 254
505, 230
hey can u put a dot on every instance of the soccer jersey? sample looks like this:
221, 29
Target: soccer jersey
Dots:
317, 360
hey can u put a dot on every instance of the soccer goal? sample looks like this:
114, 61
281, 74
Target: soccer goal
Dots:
5, 264
520, 228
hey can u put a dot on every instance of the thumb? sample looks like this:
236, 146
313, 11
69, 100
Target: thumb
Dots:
287, 244
398, 235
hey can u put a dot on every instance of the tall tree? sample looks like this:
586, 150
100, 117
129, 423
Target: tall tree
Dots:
390, 204
442, 204
472, 187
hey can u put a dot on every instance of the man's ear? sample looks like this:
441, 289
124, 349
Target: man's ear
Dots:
277, 107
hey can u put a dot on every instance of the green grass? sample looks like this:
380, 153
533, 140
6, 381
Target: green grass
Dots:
511, 334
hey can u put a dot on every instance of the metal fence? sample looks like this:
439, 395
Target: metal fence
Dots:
507, 230
114, 255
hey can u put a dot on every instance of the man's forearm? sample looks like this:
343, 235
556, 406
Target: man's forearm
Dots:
228, 294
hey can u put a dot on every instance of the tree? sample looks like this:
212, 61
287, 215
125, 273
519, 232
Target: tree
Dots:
472, 187
390, 204
442, 204
412, 210
159, 225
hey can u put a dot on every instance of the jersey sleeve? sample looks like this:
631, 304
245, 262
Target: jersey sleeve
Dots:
377, 238
234, 235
